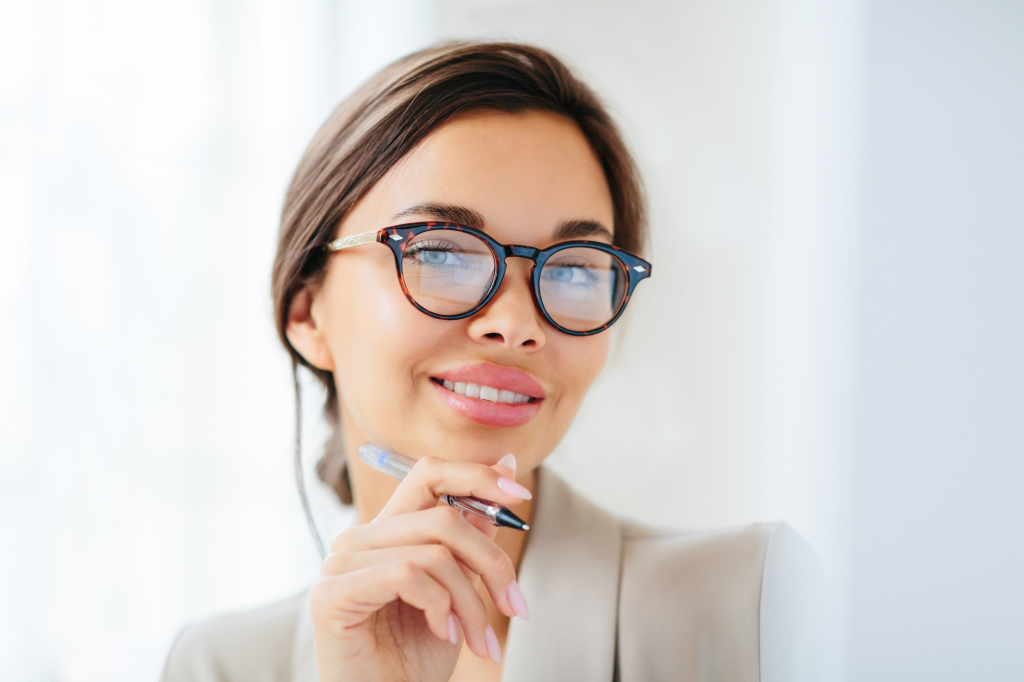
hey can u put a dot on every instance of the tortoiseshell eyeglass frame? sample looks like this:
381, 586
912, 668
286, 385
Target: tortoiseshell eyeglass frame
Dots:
397, 237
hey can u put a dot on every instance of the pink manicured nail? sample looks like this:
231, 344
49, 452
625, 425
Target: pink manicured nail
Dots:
515, 598
510, 462
453, 630
510, 487
492, 644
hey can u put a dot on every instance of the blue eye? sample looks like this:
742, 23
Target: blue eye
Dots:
560, 274
431, 257
434, 255
569, 274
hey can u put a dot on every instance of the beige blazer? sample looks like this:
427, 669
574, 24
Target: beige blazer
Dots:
609, 600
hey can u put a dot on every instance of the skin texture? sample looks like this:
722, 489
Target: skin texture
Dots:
381, 607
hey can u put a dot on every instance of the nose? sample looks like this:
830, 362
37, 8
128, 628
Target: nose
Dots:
510, 319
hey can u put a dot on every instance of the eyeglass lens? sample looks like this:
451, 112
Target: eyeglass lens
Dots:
449, 272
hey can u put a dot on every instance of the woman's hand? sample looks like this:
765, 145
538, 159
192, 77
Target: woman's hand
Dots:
393, 592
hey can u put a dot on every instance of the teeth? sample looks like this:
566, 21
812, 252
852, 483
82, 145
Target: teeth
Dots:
486, 393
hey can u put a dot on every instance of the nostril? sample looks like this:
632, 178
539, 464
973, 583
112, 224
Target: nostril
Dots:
494, 335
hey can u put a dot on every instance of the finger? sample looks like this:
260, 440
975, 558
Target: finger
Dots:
343, 601
442, 526
439, 564
481, 524
348, 540
432, 477
506, 466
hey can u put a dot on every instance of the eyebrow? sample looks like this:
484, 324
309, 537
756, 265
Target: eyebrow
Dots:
452, 213
447, 213
578, 229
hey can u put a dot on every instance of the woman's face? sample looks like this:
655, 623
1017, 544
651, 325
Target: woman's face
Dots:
528, 179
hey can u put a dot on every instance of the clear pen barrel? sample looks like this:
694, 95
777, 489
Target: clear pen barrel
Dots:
385, 462
472, 504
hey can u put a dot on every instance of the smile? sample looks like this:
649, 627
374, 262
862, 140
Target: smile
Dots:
494, 395
490, 394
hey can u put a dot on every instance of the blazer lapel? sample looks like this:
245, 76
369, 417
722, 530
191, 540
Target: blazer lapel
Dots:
569, 575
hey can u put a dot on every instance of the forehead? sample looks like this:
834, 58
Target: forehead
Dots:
525, 174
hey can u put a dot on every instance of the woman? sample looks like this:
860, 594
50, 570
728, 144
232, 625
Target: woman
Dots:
396, 284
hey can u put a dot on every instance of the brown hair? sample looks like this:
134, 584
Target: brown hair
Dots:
379, 124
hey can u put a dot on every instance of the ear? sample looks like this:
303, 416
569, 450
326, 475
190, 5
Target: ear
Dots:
305, 333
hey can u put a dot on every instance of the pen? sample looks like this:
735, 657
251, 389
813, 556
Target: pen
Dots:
399, 467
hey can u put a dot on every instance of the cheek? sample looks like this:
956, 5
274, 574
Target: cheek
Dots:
376, 336
581, 360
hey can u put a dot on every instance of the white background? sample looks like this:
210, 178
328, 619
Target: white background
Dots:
832, 336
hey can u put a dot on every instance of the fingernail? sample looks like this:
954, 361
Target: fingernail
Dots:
492, 644
453, 631
515, 598
510, 462
510, 487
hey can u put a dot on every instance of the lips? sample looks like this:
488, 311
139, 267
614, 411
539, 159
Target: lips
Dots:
490, 394
493, 376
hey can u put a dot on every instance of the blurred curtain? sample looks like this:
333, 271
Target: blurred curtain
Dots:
144, 401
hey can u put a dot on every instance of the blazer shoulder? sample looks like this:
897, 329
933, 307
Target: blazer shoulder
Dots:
719, 559
796, 612
721, 604
249, 646
764, 554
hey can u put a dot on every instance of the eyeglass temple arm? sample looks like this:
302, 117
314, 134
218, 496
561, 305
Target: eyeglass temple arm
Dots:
354, 240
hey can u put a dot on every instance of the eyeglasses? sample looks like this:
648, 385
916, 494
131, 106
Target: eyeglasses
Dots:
450, 271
